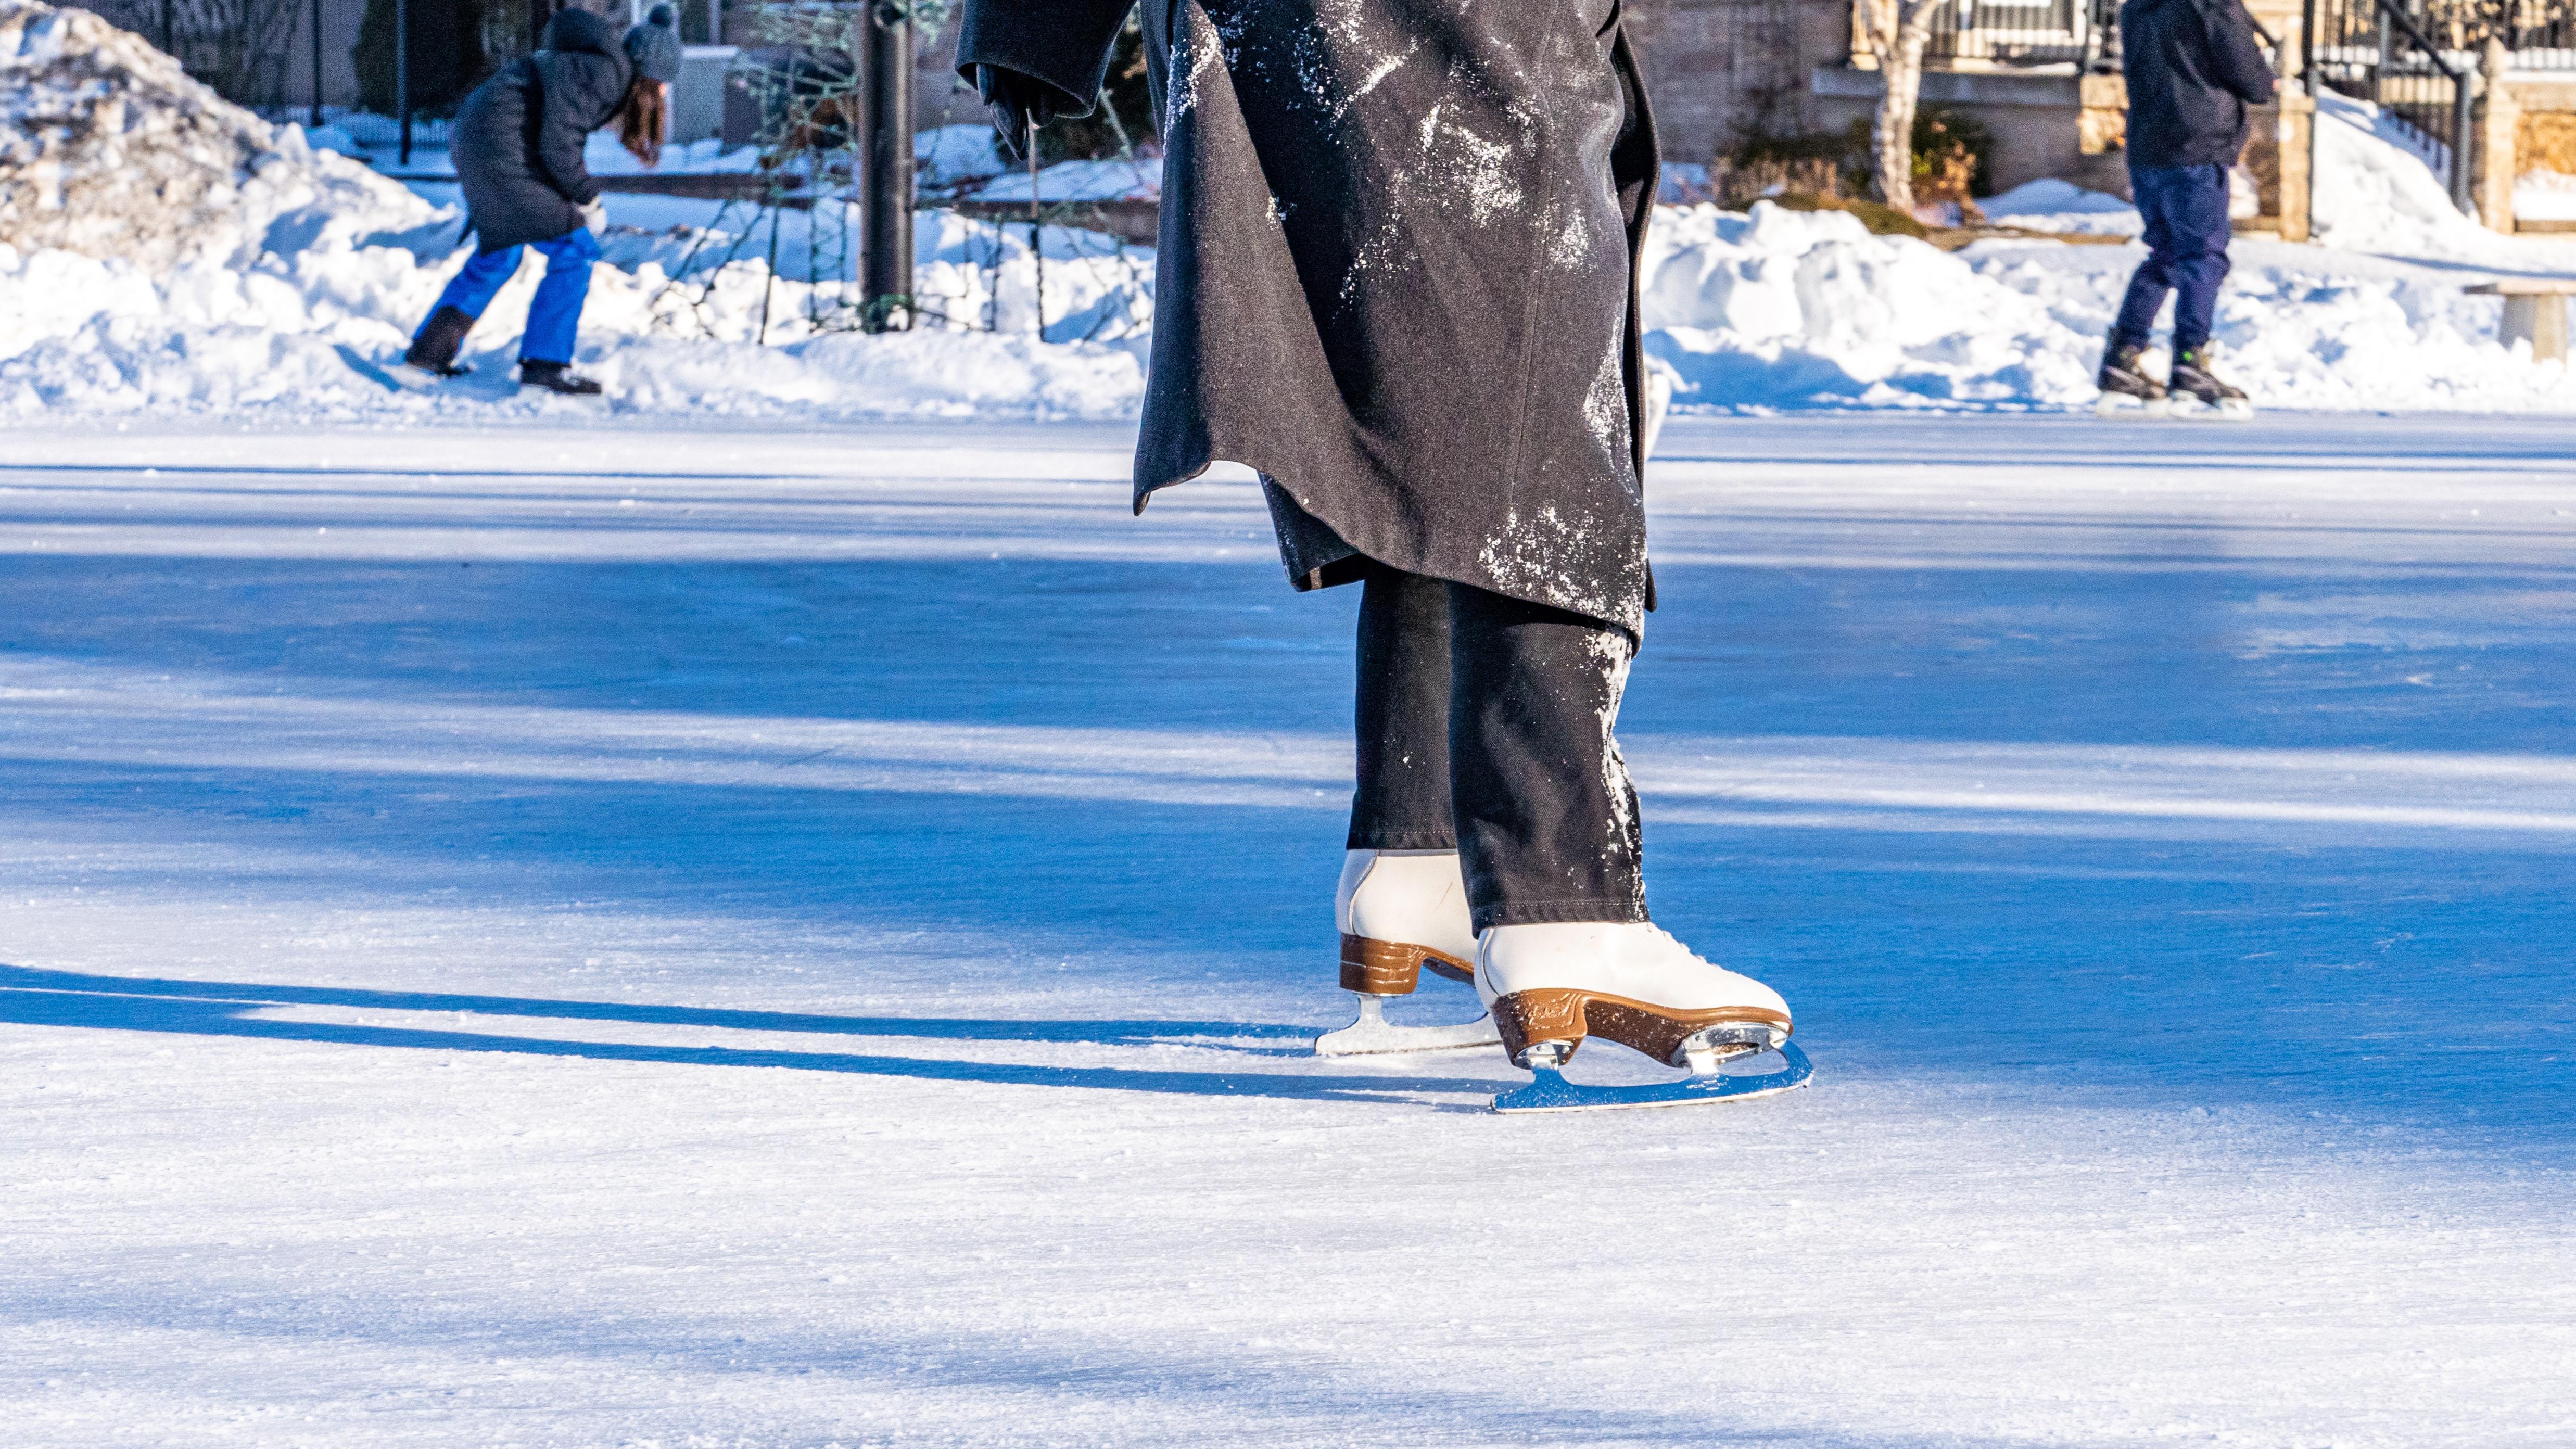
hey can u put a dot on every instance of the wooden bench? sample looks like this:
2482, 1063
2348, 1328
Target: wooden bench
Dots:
2535, 311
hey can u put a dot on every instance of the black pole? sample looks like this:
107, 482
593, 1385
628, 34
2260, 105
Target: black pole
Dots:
169, 28
887, 251
402, 77
2308, 47
317, 63
2464, 100
1037, 224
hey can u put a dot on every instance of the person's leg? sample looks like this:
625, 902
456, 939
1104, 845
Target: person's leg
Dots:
472, 288
1402, 715
470, 292
1401, 905
1548, 832
2197, 225
2153, 188
442, 334
554, 314
1547, 820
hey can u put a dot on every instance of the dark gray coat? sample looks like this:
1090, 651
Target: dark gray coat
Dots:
519, 136
2193, 67
1397, 274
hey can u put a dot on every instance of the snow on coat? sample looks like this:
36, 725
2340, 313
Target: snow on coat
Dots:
1396, 275
526, 182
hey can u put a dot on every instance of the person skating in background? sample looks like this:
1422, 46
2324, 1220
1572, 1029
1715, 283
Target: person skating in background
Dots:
518, 146
2193, 67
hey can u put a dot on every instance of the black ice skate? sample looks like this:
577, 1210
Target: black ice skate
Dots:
556, 377
434, 350
2125, 384
2193, 379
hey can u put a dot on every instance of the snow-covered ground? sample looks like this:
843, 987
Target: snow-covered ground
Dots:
292, 296
578, 935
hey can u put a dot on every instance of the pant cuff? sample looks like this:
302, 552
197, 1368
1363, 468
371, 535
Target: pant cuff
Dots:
1551, 913
1378, 839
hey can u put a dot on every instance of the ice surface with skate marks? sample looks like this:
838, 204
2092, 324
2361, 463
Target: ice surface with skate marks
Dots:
729, 936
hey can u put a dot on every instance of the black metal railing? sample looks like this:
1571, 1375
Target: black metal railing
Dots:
2374, 50
2012, 32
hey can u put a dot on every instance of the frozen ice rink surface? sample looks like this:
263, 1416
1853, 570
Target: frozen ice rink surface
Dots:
572, 936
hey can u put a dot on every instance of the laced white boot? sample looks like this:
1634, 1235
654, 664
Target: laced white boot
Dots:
1550, 986
1401, 911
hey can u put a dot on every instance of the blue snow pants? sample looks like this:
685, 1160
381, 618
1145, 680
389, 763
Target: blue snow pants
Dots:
554, 315
2185, 208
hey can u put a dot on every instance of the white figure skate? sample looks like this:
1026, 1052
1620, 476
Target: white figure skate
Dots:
1550, 986
1401, 911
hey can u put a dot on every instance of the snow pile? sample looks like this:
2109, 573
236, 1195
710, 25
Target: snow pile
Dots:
319, 321
281, 276
2375, 190
108, 149
956, 157
1116, 179
1786, 308
2062, 206
2545, 196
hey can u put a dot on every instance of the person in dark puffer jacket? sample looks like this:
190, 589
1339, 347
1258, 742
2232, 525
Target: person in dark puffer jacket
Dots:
2193, 67
518, 146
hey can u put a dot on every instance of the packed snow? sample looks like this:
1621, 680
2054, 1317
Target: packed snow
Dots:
579, 935
2544, 196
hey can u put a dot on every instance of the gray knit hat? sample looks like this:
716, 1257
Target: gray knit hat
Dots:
654, 47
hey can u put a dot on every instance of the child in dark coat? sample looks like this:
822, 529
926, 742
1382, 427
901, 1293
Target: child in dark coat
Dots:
2193, 67
518, 147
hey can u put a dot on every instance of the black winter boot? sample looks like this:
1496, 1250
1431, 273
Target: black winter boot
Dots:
441, 338
2191, 375
2122, 376
555, 377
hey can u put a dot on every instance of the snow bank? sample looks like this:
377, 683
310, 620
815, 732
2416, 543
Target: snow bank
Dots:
285, 277
2062, 206
1786, 308
321, 327
1116, 179
2375, 188
108, 149
2545, 196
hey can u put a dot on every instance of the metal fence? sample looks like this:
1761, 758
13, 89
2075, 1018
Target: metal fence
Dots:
2417, 64
2012, 32
254, 52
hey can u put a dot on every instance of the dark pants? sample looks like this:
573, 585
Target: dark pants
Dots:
2185, 208
554, 314
1485, 728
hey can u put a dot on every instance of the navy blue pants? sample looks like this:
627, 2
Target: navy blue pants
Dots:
554, 314
2186, 214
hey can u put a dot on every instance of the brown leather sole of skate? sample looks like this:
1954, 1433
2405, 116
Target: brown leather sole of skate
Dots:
1567, 1015
1391, 968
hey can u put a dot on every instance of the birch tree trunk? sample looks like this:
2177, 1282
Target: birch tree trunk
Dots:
1898, 31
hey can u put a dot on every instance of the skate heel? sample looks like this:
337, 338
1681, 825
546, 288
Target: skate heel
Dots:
1545, 1026
1392, 968
1377, 971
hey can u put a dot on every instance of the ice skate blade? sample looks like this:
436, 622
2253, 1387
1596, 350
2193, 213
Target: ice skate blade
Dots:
2122, 405
2230, 411
1549, 1091
1374, 1035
